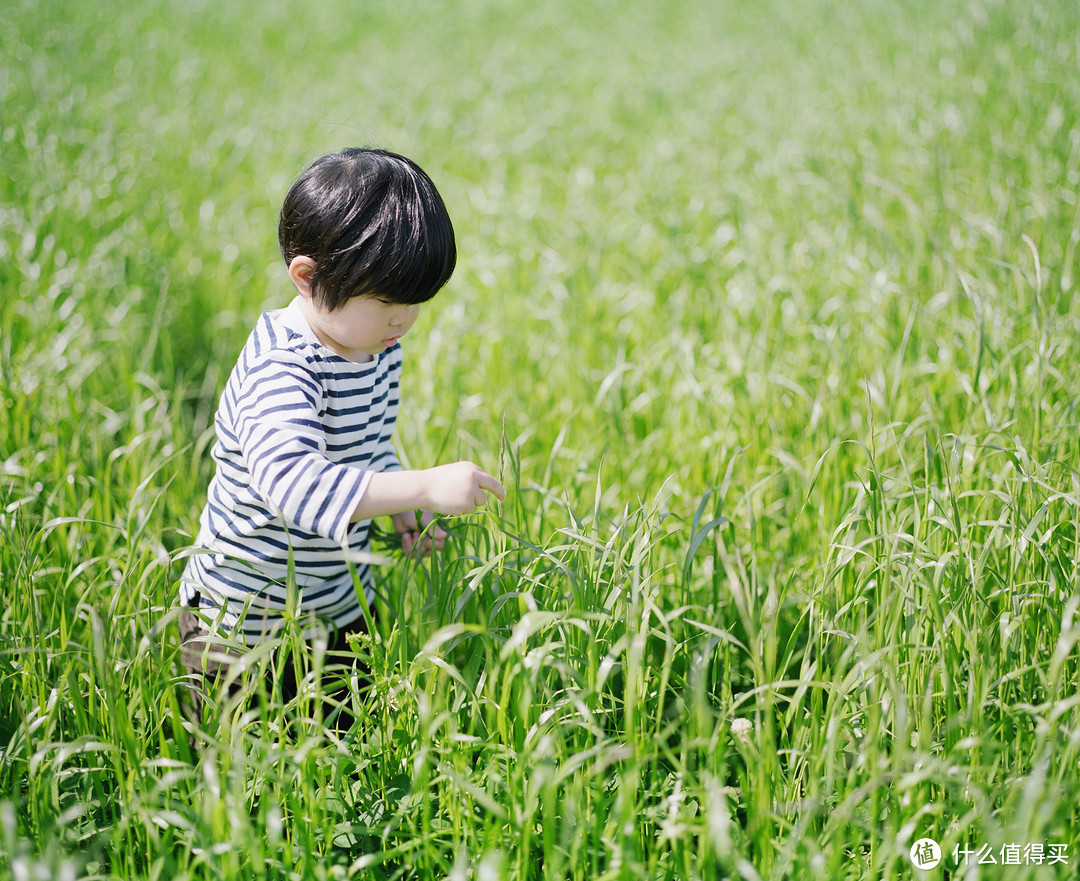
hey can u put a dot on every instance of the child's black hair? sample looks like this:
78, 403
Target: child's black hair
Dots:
373, 224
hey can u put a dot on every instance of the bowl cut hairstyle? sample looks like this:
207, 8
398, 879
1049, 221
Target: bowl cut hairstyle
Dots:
373, 224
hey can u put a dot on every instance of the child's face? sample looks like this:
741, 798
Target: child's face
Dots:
360, 328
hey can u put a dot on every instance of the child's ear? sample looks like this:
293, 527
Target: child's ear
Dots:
301, 271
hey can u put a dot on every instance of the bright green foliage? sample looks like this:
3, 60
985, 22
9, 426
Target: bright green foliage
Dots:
765, 313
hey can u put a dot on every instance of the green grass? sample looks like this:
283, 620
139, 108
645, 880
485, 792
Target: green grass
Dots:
764, 310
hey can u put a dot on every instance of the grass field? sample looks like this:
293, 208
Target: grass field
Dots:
767, 314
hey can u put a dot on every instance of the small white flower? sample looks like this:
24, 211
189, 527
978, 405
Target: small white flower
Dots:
742, 728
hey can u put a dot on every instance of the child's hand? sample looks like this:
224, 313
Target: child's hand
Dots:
406, 526
458, 488
461, 487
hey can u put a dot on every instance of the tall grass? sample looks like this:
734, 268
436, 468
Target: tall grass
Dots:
766, 315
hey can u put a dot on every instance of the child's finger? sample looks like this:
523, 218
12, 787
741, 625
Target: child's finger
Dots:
491, 485
405, 521
436, 535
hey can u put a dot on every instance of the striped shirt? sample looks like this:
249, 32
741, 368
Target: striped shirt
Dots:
300, 430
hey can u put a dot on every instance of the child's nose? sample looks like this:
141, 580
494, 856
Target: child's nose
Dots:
405, 316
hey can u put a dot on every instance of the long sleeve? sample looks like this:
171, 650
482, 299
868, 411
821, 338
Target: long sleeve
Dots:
278, 427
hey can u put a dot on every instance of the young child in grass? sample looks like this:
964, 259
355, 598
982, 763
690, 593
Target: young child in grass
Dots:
304, 454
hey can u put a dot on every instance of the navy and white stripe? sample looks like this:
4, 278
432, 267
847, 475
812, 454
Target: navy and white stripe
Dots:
300, 430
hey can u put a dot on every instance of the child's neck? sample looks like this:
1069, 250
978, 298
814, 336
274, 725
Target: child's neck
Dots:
312, 319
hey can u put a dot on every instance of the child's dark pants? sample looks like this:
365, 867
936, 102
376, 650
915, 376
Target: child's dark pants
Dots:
207, 660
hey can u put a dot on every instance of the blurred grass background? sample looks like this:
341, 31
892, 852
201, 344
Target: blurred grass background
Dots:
808, 267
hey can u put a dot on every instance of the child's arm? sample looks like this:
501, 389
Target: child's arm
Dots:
446, 489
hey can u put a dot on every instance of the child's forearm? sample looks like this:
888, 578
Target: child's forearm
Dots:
457, 488
391, 492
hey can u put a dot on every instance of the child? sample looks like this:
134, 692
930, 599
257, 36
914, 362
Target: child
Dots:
303, 452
